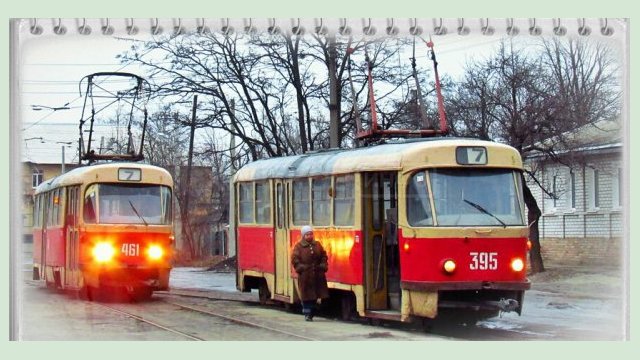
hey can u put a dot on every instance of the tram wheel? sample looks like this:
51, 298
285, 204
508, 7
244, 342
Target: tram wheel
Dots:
141, 294
86, 293
347, 307
263, 292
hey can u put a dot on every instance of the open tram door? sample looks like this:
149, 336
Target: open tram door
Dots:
283, 288
381, 264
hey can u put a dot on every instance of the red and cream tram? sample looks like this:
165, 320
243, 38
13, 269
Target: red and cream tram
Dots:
103, 226
411, 229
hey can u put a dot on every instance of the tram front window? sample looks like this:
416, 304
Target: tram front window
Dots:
131, 204
475, 197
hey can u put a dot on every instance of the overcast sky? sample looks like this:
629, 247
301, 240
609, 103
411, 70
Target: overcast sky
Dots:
52, 65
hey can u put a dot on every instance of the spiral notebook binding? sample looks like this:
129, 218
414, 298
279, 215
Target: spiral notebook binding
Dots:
323, 26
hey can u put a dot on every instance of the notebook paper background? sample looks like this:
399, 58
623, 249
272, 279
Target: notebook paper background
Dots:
443, 52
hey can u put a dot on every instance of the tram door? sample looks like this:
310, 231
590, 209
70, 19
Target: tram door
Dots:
379, 199
71, 225
281, 240
46, 204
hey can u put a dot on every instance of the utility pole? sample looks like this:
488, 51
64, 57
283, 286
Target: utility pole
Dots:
185, 218
62, 167
334, 109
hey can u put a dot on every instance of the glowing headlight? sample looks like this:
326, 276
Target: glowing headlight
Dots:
103, 252
449, 266
155, 252
517, 264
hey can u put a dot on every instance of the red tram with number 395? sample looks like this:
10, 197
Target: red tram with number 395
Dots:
412, 229
103, 226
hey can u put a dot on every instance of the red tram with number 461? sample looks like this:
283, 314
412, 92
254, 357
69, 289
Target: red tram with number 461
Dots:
105, 226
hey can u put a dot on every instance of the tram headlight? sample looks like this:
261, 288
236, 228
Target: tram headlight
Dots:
517, 264
449, 266
103, 252
155, 252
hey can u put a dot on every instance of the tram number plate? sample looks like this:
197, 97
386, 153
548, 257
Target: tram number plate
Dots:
471, 155
130, 249
129, 174
483, 261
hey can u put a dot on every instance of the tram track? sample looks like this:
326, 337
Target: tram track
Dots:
149, 322
201, 311
238, 320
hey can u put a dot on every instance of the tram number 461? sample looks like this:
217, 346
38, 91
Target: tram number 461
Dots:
130, 249
483, 261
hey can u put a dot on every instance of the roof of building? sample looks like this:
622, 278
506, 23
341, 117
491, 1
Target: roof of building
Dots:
597, 136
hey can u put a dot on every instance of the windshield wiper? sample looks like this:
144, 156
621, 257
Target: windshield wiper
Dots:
136, 211
484, 211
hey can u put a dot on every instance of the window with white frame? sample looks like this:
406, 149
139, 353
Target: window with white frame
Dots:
572, 189
617, 185
37, 177
555, 190
593, 188
549, 194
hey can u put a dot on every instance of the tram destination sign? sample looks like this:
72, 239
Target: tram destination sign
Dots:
471, 155
129, 174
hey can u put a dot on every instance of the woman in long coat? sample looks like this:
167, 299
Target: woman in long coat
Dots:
310, 262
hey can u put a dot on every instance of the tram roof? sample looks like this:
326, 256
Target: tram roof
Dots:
406, 155
87, 174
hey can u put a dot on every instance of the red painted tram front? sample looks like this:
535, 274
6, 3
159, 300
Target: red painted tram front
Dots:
105, 226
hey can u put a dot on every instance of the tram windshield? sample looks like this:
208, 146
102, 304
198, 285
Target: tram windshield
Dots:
127, 204
468, 197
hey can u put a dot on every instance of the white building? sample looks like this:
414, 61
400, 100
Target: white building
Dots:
584, 222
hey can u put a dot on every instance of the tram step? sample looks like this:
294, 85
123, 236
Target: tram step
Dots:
383, 314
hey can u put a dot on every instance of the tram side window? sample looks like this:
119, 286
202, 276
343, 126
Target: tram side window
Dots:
165, 200
321, 201
90, 204
344, 201
418, 203
55, 202
245, 197
301, 202
263, 203
37, 209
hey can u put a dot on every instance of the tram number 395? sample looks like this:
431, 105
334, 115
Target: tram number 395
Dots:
130, 249
483, 261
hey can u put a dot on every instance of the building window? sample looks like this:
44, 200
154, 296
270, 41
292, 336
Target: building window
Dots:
554, 190
550, 193
572, 178
617, 186
37, 177
594, 189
